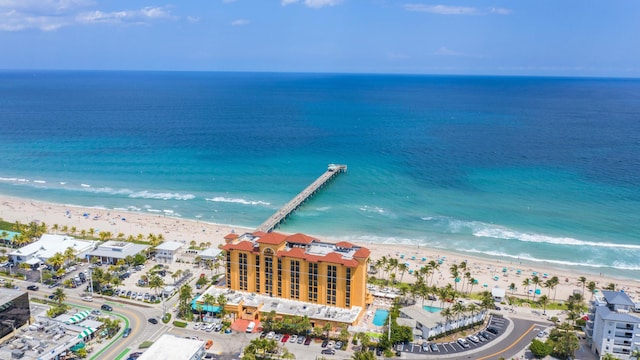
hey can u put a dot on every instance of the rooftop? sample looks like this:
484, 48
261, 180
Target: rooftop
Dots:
117, 249
170, 246
172, 347
617, 298
50, 244
300, 246
286, 306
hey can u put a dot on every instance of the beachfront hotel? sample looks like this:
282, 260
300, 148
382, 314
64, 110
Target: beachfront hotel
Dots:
300, 270
612, 328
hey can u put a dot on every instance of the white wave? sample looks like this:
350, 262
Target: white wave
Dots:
85, 185
22, 180
373, 209
133, 208
527, 257
504, 233
63, 183
238, 201
167, 211
323, 208
8, 179
154, 210
108, 190
39, 181
161, 196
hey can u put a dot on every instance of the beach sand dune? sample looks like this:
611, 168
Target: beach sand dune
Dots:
488, 272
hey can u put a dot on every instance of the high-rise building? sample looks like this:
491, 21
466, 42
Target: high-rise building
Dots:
612, 328
298, 267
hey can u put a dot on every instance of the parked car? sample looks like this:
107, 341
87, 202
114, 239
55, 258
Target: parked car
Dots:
434, 347
293, 338
126, 332
87, 298
270, 335
301, 339
338, 345
325, 342
284, 338
463, 343
328, 352
307, 341
493, 330
106, 307
153, 321
473, 339
208, 344
32, 287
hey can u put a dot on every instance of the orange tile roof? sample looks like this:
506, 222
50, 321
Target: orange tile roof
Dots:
231, 236
242, 245
362, 253
300, 239
332, 257
272, 238
344, 244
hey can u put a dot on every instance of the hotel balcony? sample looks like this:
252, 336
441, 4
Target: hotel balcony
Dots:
625, 343
624, 326
623, 335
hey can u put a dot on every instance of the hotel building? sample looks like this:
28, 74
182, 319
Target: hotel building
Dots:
612, 328
298, 268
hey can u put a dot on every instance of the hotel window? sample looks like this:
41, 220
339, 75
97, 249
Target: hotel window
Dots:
348, 289
268, 275
229, 270
313, 283
279, 277
295, 279
332, 280
243, 270
258, 273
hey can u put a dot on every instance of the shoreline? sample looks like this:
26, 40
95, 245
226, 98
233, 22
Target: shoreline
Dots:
484, 269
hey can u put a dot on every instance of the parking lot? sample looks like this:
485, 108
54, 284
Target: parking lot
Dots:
483, 337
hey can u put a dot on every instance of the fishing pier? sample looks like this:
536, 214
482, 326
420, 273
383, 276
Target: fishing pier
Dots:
284, 212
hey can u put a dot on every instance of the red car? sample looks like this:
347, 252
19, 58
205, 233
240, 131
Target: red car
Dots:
284, 338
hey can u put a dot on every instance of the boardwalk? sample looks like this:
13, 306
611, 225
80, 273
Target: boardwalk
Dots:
283, 213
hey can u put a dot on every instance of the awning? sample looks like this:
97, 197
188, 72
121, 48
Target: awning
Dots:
86, 332
78, 317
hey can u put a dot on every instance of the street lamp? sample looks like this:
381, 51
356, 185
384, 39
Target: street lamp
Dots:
10, 269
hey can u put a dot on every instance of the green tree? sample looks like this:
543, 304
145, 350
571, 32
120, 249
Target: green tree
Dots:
544, 301
363, 355
540, 349
184, 302
609, 356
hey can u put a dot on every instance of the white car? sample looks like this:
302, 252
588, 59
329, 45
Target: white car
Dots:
293, 338
87, 298
270, 335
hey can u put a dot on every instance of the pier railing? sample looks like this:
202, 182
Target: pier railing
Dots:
284, 212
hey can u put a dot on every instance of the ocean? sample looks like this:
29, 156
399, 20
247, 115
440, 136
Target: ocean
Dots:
522, 169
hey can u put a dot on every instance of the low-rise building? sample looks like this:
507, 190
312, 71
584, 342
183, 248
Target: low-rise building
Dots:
429, 322
14, 310
174, 348
167, 251
112, 251
49, 244
611, 328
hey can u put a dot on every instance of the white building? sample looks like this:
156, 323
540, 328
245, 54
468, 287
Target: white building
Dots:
611, 327
48, 245
112, 251
429, 322
170, 347
498, 294
167, 251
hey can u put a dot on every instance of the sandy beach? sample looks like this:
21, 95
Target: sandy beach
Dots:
487, 271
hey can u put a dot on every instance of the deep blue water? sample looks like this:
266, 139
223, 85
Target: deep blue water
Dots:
524, 169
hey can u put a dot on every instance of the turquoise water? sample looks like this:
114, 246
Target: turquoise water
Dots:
380, 317
532, 170
431, 309
205, 308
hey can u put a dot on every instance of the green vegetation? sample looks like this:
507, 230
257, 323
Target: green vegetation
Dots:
145, 344
180, 324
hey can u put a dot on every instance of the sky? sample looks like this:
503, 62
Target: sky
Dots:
466, 37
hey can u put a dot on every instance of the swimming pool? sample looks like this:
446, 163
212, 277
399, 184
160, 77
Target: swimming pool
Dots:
431, 309
380, 317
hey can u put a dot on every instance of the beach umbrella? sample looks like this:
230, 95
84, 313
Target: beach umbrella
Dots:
485, 285
413, 258
504, 269
475, 281
538, 292
496, 278
534, 273
401, 256
518, 271
410, 271
439, 261
424, 259
457, 279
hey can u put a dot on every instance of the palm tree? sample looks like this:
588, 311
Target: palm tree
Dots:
635, 354
582, 280
447, 314
59, 296
609, 356
184, 300
55, 228
458, 309
56, 260
69, 254
535, 281
403, 268
208, 300
544, 300
592, 288
155, 283
433, 265
526, 283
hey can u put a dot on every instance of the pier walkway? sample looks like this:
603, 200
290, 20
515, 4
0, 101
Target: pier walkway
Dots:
284, 212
